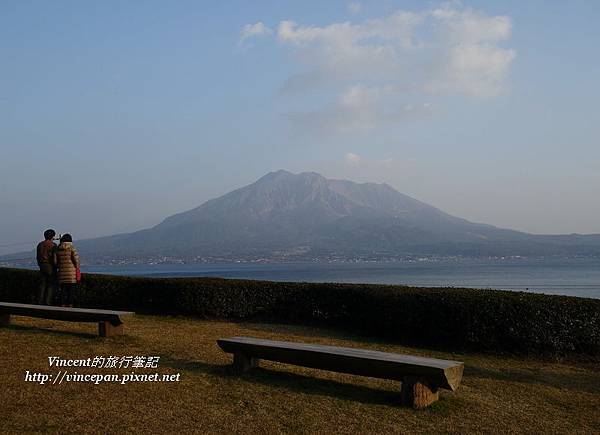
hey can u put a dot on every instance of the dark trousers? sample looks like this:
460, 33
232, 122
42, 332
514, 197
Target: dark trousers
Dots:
47, 284
67, 293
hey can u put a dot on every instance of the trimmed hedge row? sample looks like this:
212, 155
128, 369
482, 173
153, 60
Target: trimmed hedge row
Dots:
449, 318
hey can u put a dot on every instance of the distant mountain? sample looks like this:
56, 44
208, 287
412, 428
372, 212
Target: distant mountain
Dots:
307, 216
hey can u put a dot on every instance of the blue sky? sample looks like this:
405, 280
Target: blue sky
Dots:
115, 114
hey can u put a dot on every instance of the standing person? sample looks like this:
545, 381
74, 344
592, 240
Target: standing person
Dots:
45, 261
67, 261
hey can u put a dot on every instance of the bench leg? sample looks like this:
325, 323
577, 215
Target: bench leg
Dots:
4, 319
242, 362
107, 329
417, 394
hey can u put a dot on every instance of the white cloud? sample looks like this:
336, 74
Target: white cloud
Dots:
252, 30
360, 109
477, 70
352, 48
469, 26
472, 62
352, 159
378, 65
354, 7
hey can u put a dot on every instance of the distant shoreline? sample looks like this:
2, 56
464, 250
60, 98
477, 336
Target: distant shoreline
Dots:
29, 261
578, 277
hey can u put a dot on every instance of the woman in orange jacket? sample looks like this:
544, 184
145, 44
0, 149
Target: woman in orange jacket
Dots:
66, 260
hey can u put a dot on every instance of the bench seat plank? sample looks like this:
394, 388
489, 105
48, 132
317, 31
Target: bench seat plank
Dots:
440, 373
64, 313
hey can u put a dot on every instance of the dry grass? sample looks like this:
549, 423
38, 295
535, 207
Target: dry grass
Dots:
498, 394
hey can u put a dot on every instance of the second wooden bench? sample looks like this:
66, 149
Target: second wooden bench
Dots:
421, 377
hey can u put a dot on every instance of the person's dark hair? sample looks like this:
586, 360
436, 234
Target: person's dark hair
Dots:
66, 238
49, 234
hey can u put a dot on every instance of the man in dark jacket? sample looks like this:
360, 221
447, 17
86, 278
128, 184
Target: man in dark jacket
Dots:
45, 260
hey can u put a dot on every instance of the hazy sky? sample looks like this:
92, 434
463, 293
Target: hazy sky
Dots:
116, 114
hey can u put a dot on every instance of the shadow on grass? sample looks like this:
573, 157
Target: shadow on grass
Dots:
322, 387
194, 366
41, 330
293, 382
584, 381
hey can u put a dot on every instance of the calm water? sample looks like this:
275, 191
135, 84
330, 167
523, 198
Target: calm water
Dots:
574, 277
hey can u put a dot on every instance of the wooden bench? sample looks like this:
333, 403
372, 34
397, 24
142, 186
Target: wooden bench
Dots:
109, 322
421, 377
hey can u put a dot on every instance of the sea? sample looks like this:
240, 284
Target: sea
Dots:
572, 277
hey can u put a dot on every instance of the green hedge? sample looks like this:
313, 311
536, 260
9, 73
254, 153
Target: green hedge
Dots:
449, 318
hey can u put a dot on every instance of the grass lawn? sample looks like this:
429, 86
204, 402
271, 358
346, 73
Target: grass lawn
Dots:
498, 394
